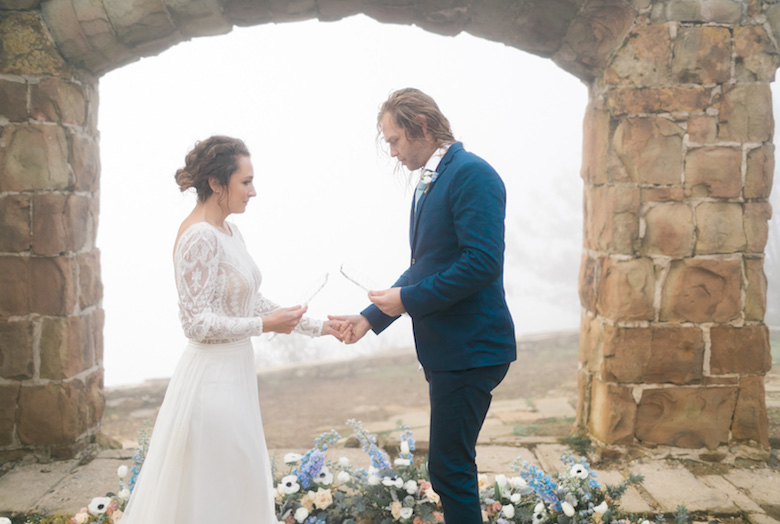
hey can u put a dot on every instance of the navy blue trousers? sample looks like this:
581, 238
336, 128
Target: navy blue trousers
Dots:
459, 403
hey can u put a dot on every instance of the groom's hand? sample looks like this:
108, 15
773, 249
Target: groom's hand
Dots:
388, 301
359, 326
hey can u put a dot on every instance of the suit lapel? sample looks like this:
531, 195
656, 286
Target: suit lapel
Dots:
441, 169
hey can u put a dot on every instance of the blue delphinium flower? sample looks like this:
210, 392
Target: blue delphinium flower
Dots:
310, 467
379, 459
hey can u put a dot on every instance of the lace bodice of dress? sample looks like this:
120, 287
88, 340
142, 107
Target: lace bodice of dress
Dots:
218, 284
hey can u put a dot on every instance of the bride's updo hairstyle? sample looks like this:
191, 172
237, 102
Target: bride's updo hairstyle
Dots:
216, 157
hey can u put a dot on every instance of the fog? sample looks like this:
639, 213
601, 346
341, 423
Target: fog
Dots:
304, 97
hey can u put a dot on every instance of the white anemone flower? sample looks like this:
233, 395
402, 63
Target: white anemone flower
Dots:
406, 513
567, 508
99, 505
410, 487
405, 447
539, 513
508, 511
301, 514
292, 458
122, 472
515, 498
343, 476
518, 482
579, 471
325, 477
344, 461
373, 480
289, 484
402, 462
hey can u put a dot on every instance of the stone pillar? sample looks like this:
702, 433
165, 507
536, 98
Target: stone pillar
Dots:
677, 166
51, 347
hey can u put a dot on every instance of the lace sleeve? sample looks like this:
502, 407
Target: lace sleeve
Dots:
198, 283
307, 326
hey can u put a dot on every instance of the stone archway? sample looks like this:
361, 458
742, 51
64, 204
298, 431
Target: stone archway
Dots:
677, 164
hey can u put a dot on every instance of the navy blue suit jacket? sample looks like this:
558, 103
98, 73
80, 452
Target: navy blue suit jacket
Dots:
454, 288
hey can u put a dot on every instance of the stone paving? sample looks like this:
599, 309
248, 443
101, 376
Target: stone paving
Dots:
739, 484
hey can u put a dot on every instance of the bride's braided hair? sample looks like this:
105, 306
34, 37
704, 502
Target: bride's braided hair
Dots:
216, 157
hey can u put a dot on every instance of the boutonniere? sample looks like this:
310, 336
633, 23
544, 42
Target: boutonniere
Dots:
428, 178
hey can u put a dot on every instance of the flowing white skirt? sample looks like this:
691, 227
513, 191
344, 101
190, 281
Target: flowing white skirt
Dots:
207, 460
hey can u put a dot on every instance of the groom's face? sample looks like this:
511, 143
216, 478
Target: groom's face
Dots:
413, 154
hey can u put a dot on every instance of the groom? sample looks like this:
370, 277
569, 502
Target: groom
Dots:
453, 290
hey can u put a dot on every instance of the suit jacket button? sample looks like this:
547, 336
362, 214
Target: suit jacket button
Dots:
413, 261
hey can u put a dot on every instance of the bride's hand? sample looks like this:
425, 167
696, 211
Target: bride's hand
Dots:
283, 320
337, 328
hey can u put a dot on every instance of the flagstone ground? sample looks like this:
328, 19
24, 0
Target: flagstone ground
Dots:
532, 409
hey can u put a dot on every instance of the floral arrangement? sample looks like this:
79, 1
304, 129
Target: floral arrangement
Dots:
313, 490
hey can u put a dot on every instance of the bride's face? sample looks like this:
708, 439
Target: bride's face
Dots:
241, 186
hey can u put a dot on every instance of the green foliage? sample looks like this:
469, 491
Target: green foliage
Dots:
579, 444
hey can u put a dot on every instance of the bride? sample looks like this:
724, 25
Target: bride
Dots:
207, 460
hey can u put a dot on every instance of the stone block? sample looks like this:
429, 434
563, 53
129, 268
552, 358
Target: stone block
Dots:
63, 223
35, 157
644, 58
55, 100
713, 172
653, 355
15, 223
16, 350
592, 37
757, 215
746, 113
52, 414
691, 417
756, 58
9, 396
95, 398
595, 146
644, 100
626, 289
702, 55
198, 17
756, 290
702, 129
13, 100
587, 279
750, 415
760, 172
590, 343
52, 286
90, 285
65, 347
720, 228
661, 194
740, 350
27, 48
14, 281
96, 322
720, 11
702, 290
612, 218
85, 161
650, 149
669, 230
584, 387
138, 22
612, 413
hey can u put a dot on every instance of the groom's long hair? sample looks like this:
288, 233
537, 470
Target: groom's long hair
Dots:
406, 105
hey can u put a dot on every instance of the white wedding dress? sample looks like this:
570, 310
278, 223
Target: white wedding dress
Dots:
207, 460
